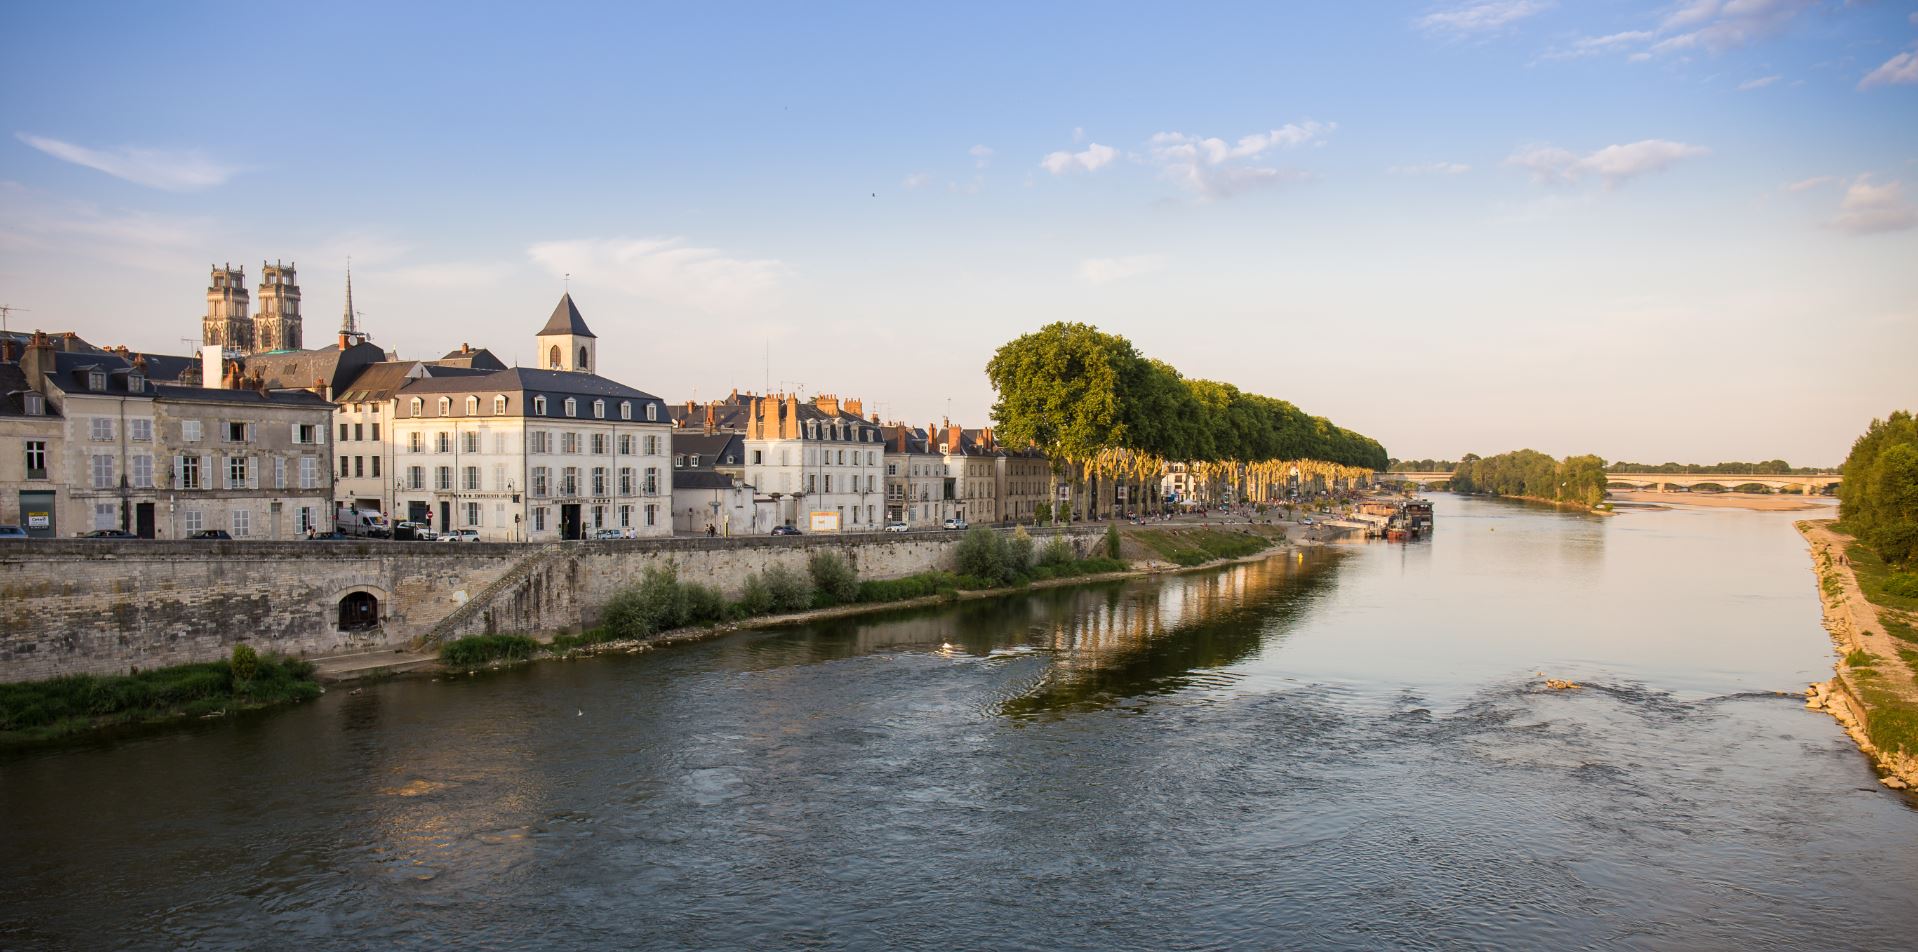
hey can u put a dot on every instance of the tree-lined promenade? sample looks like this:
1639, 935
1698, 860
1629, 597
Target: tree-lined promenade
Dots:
1102, 411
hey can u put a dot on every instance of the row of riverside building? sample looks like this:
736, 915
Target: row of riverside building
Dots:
264, 439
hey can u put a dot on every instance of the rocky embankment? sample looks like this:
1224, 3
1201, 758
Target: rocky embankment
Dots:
1859, 690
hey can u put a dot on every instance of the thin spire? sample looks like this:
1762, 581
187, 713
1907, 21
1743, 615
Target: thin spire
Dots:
349, 326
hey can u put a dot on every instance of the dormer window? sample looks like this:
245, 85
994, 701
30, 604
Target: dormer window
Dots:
472, 406
812, 429
652, 413
419, 406
446, 406
572, 407
136, 383
599, 409
625, 409
36, 405
539, 406
499, 406
97, 380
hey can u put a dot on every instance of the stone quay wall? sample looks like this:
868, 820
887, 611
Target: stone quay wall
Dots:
112, 606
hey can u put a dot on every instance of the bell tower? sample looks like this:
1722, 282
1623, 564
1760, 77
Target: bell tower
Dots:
566, 343
278, 325
226, 324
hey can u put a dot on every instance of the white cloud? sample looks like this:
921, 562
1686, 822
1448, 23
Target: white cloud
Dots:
174, 171
30, 221
1215, 168
1899, 70
1759, 83
1870, 209
981, 155
1094, 158
1484, 16
1431, 168
1804, 185
1614, 164
1595, 45
665, 271
1107, 270
446, 275
1720, 25
916, 180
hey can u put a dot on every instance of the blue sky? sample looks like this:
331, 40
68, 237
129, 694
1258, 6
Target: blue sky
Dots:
1647, 230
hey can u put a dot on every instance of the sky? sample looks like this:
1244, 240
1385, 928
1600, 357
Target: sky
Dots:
1652, 231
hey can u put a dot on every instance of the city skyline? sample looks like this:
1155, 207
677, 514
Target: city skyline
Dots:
1461, 227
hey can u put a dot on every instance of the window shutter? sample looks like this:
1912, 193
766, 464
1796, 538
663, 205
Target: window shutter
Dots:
179, 471
206, 471
296, 433
252, 473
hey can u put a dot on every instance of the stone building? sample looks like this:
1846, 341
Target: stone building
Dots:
527, 454
817, 459
972, 463
32, 451
918, 492
1024, 481
710, 488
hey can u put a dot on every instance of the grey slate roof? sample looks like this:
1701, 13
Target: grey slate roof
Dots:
555, 385
566, 320
710, 449
701, 479
329, 365
13, 394
278, 398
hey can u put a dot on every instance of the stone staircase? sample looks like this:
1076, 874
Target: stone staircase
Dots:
519, 573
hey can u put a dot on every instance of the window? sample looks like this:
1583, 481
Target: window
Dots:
693, 460
140, 470
279, 472
359, 432
469, 479
469, 442
625, 445
652, 481
539, 406
569, 481
869, 482
242, 523
625, 409
195, 520
652, 446
309, 520
759, 457
443, 442
376, 431
599, 517
443, 478
236, 472
237, 432
446, 406
552, 358
829, 482
359, 466
652, 412
542, 441
679, 461
190, 431
625, 481
842, 457
541, 480
472, 406
418, 404
652, 515
186, 470
376, 467
582, 359
100, 428
599, 480
359, 611
570, 407
812, 483
36, 459
625, 517
106, 515
342, 432
539, 519
310, 471
499, 476
473, 514
97, 380
140, 430
102, 472
599, 444
35, 405
308, 433
416, 477
599, 406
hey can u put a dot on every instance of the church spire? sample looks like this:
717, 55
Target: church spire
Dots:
349, 324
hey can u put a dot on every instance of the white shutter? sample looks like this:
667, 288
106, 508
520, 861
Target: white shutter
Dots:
296, 433
207, 475
279, 472
179, 471
252, 473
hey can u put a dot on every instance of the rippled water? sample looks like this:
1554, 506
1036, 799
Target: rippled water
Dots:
1344, 748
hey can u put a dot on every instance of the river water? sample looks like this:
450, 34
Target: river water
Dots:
1346, 747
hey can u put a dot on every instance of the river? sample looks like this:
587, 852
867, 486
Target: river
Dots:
1345, 747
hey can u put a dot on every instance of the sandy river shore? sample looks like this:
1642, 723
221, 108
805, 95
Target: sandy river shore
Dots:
1762, 503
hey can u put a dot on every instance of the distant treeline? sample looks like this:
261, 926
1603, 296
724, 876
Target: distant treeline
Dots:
1878, 500
1574, 479
1773, 467
1421, 465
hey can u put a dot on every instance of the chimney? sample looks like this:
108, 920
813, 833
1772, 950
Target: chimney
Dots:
67, 344
465, 348
712, 421
856, 407
952, 438
6, 351
344, 343
789, 418
985, 437
827, 403
213, 367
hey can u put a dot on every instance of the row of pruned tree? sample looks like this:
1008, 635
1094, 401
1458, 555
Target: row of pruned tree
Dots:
1100, 409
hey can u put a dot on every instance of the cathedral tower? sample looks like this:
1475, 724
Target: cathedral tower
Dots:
226, 324
277, 327
565, 343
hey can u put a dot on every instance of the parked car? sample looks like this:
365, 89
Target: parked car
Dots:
417, 531
210, 534
896, 527
1307, 520
609, 534
785, 530
107, 534
460, 535
957, 524
12, 532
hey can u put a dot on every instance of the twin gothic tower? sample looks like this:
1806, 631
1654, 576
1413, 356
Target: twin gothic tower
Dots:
276, 327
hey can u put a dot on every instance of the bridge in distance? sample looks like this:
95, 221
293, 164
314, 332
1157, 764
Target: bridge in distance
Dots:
1808, 483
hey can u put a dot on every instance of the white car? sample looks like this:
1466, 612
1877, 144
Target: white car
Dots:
606, 534
460, 535
896, 527
957, 524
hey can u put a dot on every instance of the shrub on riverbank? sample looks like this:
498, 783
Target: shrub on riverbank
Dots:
1198, 546
39, 710
476, 650
834, 580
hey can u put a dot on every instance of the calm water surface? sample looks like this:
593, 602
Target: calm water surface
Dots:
1345, 748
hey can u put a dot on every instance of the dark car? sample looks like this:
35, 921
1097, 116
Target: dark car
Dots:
785, 530
107, 534
210, 534
12, 532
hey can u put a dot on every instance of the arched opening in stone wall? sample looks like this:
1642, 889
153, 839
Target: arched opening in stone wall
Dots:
359, 611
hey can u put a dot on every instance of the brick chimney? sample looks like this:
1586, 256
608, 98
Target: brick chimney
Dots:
827, 404
37, 361
985, 437
856, 407
789, 419
712, 420
7, 355
952, 438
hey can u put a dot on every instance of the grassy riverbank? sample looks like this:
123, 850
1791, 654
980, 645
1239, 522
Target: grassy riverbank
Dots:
1874, 692
35, 711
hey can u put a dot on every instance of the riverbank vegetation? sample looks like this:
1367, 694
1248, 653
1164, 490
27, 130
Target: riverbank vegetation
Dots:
1579, 480
475, 651
1775, 467
1197, 546
1878, 500
1100, 409
33, 711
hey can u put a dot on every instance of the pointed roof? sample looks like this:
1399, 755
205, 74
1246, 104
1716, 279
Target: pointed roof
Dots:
348, 325
566, 320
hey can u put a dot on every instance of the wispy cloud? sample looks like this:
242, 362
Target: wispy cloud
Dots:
1430, 168
917, 180
1595, 45
1805, 185
1898, 71
1097, 271
1093, 158
1720, 25
1484, 16
1868, 208
173, 171
981, 155
30, 221
1214, 168
1759, 83
666, 271
1614, 165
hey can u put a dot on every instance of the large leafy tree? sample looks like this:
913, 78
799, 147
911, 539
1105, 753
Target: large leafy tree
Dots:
1878, 499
